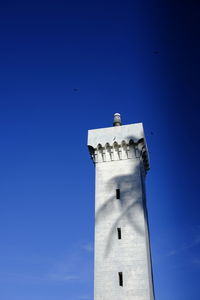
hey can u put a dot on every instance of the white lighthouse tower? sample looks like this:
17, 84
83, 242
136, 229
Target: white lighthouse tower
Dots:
123, 268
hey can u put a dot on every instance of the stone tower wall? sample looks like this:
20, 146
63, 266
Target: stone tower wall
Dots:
122, 251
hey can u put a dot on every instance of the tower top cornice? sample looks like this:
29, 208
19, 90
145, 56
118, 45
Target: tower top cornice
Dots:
118, 138
116, 134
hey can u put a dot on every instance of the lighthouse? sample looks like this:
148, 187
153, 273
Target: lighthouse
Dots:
123, 266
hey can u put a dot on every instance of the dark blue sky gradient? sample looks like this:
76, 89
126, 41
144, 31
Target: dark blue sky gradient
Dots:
66, 67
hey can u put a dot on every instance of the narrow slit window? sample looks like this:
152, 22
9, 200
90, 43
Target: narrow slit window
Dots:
120, 278
118, 193
119, 233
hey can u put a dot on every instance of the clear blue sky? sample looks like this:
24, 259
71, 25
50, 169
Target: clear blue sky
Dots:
66, 67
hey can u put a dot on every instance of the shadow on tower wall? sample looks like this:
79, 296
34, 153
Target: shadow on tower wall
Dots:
130, 203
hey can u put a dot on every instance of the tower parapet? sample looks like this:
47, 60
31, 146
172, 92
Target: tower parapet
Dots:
118, 143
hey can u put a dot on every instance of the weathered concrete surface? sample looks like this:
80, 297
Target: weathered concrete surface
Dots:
122, 168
